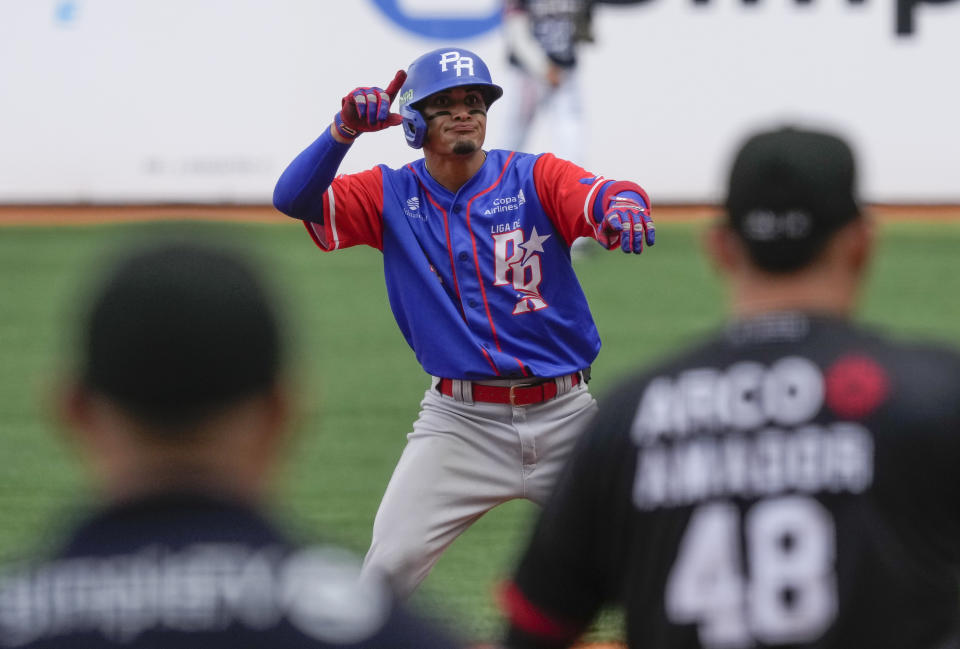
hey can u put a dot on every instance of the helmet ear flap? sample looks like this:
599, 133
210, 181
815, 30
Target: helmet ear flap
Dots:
414, 126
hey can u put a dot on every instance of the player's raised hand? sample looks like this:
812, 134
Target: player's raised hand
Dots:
364, 109
628, 217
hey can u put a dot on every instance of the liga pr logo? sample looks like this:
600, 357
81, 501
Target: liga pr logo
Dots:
856, 385
518, 266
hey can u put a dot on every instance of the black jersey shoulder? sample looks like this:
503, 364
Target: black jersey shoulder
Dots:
197, 571
914, 384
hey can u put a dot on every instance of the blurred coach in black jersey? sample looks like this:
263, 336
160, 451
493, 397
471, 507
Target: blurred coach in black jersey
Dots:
179, 407
790, 482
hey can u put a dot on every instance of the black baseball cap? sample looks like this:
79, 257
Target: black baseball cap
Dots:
178, 330
789, 190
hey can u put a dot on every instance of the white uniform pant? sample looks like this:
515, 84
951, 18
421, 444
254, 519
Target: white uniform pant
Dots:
460, 461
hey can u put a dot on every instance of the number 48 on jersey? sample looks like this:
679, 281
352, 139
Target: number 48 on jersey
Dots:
783, 592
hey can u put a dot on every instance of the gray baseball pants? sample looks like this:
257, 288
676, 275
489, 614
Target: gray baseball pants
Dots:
461, 460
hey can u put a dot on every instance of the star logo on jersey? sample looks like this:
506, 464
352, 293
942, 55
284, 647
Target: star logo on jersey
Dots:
517, 265
533, 245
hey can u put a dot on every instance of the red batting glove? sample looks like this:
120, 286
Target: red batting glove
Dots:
364, 110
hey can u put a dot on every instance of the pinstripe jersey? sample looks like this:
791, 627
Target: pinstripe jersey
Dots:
479, 281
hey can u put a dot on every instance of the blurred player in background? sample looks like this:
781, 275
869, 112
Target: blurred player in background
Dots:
476, 254
542, 38
179, 408
791, 482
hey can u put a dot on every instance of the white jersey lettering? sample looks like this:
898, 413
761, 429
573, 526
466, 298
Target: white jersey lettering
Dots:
517, 263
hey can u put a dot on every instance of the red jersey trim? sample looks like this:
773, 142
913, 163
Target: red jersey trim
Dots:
490, 360
476, 258
588, 206
568, 194
453, 265
523, 368
524, 615
332, 212
318, 231
446, 230
318, 237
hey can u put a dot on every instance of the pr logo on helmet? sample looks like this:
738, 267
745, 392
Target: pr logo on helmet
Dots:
460, 63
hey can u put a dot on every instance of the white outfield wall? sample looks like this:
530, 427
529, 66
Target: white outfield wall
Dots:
208, 100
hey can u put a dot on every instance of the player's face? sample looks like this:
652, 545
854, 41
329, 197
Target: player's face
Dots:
457, 121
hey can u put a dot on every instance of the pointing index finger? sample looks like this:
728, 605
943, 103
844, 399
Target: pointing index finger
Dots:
396, 84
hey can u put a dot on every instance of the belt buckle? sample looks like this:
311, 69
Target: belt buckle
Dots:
513, 395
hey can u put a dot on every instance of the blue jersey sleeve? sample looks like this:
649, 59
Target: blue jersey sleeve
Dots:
301, 186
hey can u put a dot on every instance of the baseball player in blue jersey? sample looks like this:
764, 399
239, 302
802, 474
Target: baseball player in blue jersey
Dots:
476, 253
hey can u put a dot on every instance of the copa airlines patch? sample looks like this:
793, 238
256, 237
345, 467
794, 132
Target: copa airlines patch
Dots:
506, 204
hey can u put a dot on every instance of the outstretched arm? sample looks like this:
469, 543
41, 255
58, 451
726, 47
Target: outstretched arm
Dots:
299, 190
581, 204
626, 217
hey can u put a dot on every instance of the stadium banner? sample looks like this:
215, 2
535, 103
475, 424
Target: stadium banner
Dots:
175, 101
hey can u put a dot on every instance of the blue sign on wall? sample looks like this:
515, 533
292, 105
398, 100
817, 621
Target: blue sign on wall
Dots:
65, 12
440, 27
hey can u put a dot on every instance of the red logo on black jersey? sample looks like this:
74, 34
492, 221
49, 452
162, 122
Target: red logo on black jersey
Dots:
856, 386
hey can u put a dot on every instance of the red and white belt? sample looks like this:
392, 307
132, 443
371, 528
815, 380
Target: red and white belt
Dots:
518, 394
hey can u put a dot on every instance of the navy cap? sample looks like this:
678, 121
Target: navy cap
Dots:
789, 190
177, 330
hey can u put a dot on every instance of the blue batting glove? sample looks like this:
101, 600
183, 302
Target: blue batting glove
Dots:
365, 109
628, 218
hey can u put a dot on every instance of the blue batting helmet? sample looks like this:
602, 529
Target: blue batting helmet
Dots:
442, 69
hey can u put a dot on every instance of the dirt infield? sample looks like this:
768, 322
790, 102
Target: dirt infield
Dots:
47, 215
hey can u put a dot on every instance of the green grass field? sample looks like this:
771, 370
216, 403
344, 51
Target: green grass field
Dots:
359, 385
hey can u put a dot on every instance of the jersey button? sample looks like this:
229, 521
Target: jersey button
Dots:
472, 303
463, 256
456, 209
